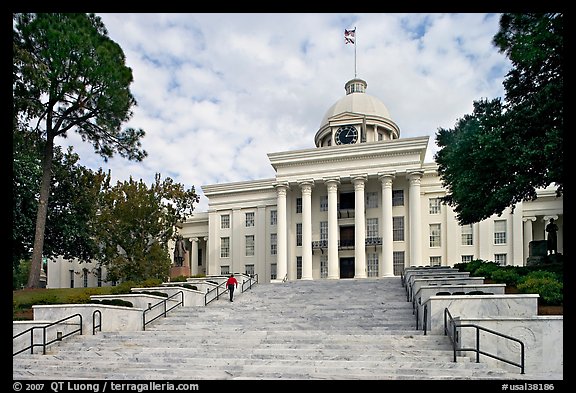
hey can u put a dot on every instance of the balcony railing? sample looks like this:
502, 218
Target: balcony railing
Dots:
346, 244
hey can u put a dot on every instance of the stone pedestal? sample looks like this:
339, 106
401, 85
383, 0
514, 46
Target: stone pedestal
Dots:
176, 271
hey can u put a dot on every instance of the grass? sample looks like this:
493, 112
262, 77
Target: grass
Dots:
24, 299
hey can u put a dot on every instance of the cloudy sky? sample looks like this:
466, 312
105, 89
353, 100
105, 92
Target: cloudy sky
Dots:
217, 92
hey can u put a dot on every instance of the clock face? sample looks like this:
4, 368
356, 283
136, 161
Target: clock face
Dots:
346, 135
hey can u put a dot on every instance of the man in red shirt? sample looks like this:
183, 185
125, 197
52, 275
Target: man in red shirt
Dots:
231, 283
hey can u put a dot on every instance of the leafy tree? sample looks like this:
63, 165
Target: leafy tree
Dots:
71, 206
68, 75
135, 224
504, 151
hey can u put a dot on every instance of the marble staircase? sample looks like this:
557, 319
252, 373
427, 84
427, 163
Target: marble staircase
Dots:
351, 329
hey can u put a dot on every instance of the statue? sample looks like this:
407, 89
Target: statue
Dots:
552, 228
179, 250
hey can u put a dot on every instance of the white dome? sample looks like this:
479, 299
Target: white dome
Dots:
360, 103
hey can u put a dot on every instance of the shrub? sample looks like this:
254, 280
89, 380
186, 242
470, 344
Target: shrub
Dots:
546, 285
151, 282
155, 293
506, 274
180, 278
123, 288
113, 302
485, 270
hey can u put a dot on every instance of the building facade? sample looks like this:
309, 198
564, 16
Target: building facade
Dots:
362, 203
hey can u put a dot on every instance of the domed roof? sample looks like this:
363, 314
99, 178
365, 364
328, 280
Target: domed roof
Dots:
357, 101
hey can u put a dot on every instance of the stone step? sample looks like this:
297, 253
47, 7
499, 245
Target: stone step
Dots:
320, 329
271, 371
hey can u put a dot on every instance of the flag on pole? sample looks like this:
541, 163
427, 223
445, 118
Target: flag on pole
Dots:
350, 36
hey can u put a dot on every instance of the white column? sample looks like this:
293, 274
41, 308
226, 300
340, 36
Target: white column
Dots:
333, 265
415, 219
527, 237
306, 187
206, 256
213, 244
359, 227
237, 241
194, 259
387, 262
282, 257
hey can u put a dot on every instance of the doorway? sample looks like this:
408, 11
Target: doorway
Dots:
347, 268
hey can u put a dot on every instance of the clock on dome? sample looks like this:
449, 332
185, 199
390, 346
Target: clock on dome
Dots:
346, 135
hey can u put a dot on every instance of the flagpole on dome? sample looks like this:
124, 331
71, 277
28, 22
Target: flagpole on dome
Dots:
355, 74
350, 38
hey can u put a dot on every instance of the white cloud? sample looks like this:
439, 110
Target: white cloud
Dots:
217, 92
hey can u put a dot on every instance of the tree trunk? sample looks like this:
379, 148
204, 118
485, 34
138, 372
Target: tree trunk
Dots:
36, 263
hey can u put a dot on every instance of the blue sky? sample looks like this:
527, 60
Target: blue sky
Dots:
217, 92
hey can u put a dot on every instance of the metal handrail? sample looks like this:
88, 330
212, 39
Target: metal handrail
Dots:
249, 282
44, 344
164, 303
217, 289
448, 319
94, 326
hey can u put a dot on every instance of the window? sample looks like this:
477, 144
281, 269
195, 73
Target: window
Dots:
225, 221
500, 232
273, 244
323, 203
323, 266
85, 278
298, 268
99, 276
435, 261
371, 200
500, 259
272, 271
467, 258
398, 228
249, 269
371, 227
397, 197
273, 217
224, 247
71, 278
398, 261
298, 205
435, 235
467, 239
372, 264
299, 234
249, 245
250, 219
324, 232
225, 270
434, 205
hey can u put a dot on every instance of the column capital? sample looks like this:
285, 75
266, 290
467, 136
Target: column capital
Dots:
531, 218
193, 239
281, 185
281, 188
547, 218
306, 183
359, 177
387, 175
331, 181
415, 173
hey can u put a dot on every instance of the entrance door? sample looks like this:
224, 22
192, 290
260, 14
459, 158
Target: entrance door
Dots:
347, 267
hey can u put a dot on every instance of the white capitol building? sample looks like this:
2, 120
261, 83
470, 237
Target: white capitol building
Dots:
362, 203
